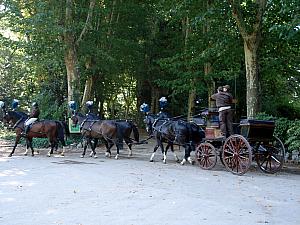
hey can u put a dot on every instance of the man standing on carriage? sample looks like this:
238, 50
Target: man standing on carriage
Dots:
223, 100
34, 116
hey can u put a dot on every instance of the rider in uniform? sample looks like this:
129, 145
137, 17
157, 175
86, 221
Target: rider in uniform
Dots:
163, 104
34, 116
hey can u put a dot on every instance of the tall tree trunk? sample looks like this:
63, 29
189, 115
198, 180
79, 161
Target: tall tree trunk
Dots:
87, 94
251, 45
192, 92
71, 55
252, 76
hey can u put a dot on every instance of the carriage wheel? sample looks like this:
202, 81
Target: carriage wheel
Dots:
206, 156
270, 156
237, 154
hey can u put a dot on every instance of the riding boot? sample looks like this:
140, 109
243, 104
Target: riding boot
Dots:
26, 130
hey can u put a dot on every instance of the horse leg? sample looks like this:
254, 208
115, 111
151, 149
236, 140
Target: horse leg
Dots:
175, 156
164, 151
18, 137
187, 155
94, 147
108, 147
86, 142
27, 147
52, 144
30, 145
118, 150
129, 144
154, 151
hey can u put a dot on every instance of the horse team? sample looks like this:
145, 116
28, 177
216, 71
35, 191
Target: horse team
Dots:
111, 132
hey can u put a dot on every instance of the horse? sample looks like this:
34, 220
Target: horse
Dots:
113, 133
53, 130
152, 122
177, 132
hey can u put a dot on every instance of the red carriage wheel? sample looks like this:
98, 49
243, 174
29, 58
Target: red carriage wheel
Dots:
206, 156
237, 154
270, 156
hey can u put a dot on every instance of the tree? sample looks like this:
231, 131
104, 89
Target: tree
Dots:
249, 16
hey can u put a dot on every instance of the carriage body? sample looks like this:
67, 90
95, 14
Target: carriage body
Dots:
253, 140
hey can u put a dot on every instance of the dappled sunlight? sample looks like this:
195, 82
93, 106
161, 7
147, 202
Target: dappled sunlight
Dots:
12, 172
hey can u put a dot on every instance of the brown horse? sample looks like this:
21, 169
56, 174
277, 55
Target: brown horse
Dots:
113, 133
53, 130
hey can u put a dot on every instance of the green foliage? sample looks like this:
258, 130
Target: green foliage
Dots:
293, 134
286, 130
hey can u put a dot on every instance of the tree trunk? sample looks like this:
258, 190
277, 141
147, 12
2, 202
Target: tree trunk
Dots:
71, 55
251, 44
252, 75
87, 91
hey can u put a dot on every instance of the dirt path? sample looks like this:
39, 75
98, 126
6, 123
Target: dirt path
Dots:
132, 191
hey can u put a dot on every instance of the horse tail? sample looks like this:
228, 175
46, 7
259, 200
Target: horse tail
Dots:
66, 128
135, 132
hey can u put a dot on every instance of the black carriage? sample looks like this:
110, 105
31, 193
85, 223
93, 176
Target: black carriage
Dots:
254, 140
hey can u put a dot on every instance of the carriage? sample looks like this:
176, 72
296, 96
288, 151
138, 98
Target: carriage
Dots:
253, 140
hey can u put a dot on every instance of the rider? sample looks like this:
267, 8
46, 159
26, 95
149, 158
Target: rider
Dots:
90, 114
34, 116
163, 104
15, 104
223, 101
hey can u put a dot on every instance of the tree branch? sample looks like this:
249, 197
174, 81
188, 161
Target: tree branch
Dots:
237, 15
260, 11
90, 14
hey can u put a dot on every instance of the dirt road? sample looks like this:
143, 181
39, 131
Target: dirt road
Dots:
132, 191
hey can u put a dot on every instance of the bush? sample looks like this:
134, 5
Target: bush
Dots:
293, 136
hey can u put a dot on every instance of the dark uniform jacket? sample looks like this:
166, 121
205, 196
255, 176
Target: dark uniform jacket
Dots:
35, 113
222, 99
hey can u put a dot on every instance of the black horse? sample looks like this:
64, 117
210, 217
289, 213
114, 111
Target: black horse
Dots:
93, 129
152, 123
172, 132
53, 130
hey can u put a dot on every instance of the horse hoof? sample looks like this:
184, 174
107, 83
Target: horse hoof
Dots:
49, 155
10, 155
178, 161
62, 154
25, 154
165, 162
151, 160
116, 157
95, 157
32, 155
82, 156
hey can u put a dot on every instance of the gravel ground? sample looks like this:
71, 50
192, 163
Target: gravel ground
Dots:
132, 191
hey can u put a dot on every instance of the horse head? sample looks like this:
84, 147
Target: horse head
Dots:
77, 118
149, 121
12, 117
